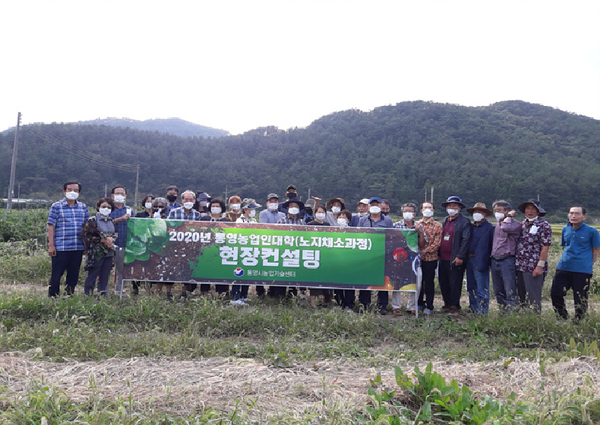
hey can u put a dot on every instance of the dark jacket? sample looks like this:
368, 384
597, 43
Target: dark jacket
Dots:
461, 238
480, 246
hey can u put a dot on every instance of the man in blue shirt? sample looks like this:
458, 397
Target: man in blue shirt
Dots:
478, 266
120, 215
375, 219
65, 244
575, 268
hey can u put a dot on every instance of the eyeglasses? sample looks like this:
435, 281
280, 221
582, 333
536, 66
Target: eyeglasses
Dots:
160, 206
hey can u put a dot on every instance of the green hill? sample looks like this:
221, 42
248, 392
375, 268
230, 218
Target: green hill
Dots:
512, 150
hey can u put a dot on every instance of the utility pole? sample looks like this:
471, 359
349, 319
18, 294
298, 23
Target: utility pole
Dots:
13, 166
137, 181
432, 194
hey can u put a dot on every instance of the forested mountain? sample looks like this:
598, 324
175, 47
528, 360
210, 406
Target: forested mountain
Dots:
513, 150
175, 126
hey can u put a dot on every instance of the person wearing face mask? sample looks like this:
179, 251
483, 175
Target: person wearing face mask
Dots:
362, 211
309, 211
478, 266
202, 201
345, 297
188, 213
293, 209
271, 215
217, 213
409, 211
385, 207
506, 235
429, 256
249, 207
531, 261
291, 194
335, 206
320, 220
147, 205
121, 213
159, 211
320, 217
172, 195
453, 254
235, 208
375, 219
65, 244
99, 238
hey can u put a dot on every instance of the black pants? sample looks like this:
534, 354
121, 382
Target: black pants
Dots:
69, 261
364, 296
428, 284
563, 281
451, 283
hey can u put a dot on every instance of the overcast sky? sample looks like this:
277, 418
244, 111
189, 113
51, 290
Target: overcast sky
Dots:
238, 65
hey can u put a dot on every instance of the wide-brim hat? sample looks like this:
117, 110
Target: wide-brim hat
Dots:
479, 206
453, 200
286, 204
535, 203
203, 196
250, 203
333, 200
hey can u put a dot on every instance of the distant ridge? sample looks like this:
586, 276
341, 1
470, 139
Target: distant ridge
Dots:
174, 126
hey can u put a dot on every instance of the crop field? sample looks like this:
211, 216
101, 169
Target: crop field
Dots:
145, 360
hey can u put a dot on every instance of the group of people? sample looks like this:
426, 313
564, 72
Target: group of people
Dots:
514, 252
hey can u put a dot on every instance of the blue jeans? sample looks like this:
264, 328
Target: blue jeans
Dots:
504, 282
478, 287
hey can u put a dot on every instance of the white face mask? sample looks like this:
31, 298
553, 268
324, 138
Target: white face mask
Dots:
477, 217
105, 211
148, 205
252, 213
72, 195
374, 209
342, 222
119, 199
203, 203
335, 210
215, 210
532, 218
451, 212
293, 210
408, 216
427, 213
320, 216
499, 216
235, 207
361, 215
273, 206
188, 205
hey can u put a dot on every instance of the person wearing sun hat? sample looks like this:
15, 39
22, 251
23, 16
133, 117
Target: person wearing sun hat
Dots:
453, 254
532, 255
335, 206
478, 266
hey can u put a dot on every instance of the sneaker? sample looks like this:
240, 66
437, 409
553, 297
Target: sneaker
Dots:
169, 296
427, 311
245, 300
239, 303
383, 311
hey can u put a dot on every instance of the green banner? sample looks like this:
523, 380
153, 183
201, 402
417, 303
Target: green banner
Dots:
269, 254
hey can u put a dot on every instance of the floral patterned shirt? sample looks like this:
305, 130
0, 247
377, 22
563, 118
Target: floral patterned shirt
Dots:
534, 235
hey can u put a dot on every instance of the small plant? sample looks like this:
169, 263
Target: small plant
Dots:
584, 350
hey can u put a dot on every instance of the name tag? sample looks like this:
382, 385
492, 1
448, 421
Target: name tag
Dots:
533, 230
447, 237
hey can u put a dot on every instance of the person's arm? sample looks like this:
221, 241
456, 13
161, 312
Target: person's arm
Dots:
51, 246
421, 232
595, 253
462, 253
539, 269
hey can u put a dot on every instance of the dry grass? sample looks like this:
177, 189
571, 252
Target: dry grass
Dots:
182, 387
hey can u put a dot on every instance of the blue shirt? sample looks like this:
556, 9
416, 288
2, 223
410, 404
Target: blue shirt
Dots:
480, 245
579, 248
172, 206
269, 217
121, 226
384, 221
67, 222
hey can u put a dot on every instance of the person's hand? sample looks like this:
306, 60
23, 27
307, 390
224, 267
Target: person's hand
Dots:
457, 262
316, 198
538, 271
108, 242
52, 250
